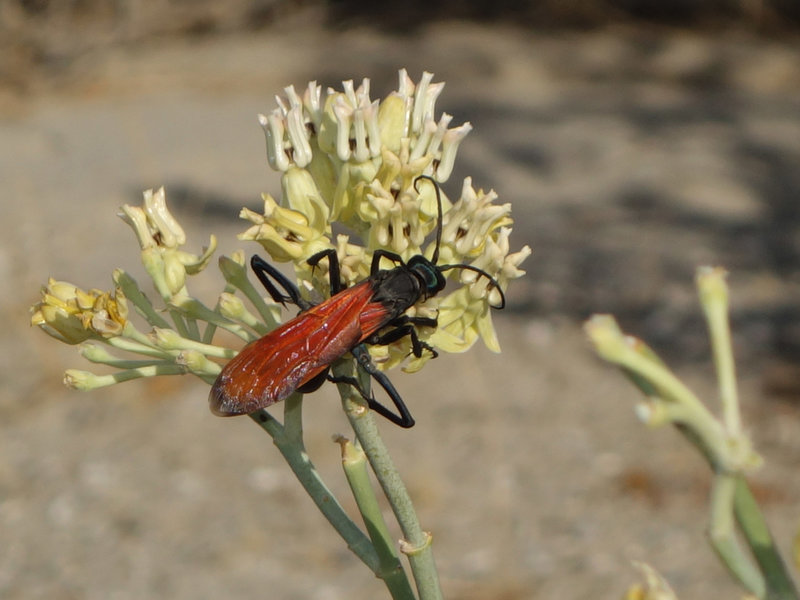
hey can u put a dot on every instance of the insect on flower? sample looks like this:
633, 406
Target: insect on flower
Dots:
297, 355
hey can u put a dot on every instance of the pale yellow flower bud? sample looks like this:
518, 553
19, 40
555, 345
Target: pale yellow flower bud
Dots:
273, 130
136, 217
153, 224
160, 237
162, 224
393, 121
338, 122
398, 222
73, 315
353, 261
197, 363
447, 157
430, 137
174, 272
167, 339
283, 232
106, 318
472, 219
313, 104
194, 263
425, 96
301, 194
84, 380
60, 323
289, 128
297, 135
233, 267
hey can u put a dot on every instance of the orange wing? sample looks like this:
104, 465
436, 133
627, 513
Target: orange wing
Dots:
269, 369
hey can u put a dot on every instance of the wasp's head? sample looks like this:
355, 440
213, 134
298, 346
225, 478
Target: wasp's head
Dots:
429, 275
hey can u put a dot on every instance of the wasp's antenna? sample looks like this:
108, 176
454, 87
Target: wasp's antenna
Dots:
494, 283
435, 183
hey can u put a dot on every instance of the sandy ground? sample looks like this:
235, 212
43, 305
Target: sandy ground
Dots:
629, 158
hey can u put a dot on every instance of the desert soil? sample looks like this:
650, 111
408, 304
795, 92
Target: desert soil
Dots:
630, 158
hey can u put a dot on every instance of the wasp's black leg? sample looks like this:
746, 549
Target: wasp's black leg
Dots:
405, 327
421, 321
264, 271
333, 268
404, 418
376, 260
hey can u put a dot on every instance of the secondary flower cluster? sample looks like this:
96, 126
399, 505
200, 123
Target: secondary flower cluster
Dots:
344, 159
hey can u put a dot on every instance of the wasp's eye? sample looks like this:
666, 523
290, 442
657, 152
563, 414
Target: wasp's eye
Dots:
428, 276
434, 280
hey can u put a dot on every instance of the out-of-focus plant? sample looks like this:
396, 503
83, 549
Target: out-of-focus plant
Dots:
737, 530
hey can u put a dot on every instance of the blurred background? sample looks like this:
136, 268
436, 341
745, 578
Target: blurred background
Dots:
636, 141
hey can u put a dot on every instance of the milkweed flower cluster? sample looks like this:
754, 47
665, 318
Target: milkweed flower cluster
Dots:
344, 159
348, 159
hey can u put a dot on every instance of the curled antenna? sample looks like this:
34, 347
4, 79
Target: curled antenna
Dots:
435, 183
492, 281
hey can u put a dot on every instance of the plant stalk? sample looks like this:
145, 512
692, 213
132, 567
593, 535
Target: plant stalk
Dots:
417, 543
292, 449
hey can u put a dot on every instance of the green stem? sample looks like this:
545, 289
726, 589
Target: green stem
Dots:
417, 543
723, 538
193, 329
140, 302
252, 321
755, 531
172, 344
354, 463
293, 419
208, 333
134, 341
84, 380
180, 324
121, 363
195, 309
714, 299
293, 451
268, 314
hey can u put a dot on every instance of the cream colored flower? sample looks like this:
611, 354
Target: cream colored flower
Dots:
160, 238
470, 222
284, 232
73, 315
